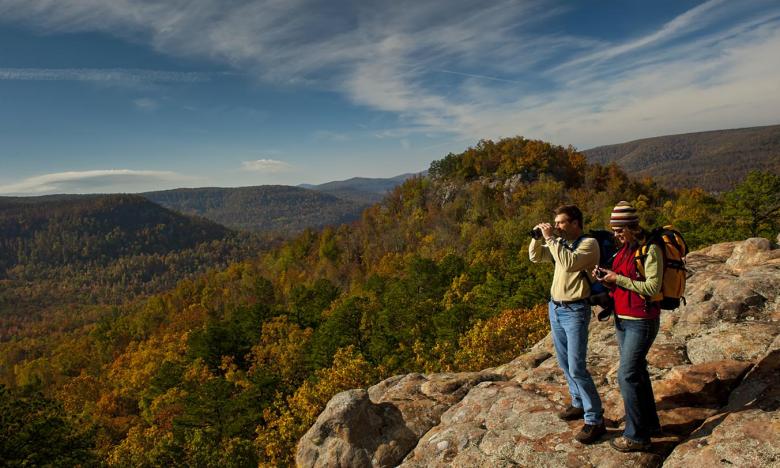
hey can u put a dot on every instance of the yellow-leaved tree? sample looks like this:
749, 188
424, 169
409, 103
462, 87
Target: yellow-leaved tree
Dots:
290, 418
500, 339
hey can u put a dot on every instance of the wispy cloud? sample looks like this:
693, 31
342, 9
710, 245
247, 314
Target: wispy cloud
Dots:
146, 104
459, 68
266, 165
692, 20
110, 180
113, 75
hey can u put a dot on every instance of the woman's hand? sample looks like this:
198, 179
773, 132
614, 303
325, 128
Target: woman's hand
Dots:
605, 275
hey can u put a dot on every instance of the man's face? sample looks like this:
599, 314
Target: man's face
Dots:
568, 229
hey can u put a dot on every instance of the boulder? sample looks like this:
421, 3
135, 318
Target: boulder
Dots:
752, 252
524, 362
380, 426
354, 432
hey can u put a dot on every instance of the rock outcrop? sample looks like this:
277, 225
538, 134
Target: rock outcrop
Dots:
715, 367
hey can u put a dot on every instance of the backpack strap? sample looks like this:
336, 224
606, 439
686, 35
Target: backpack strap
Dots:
573, 247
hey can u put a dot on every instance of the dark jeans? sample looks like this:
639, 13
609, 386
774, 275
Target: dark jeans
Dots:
634, 338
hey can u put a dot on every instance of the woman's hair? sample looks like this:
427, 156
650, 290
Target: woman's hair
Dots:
636, 230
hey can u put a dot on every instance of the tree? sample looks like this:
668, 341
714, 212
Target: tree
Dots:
35, 431
754, 204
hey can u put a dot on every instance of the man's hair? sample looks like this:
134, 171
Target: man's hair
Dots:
572, 212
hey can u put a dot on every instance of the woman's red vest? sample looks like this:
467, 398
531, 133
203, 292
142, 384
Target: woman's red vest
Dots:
628, 302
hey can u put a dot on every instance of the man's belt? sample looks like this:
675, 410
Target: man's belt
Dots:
566, 303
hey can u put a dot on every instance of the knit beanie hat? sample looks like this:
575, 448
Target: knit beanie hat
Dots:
623, 215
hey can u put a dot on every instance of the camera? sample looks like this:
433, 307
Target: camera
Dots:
535, 233
600, 274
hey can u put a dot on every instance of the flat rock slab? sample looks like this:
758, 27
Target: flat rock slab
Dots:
744, 438
501, 424
740, 341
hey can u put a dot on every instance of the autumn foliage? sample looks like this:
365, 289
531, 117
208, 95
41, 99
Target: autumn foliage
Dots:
230, 367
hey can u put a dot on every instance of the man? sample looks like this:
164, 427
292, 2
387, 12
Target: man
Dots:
574, 257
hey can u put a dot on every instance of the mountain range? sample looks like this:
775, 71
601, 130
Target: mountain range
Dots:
361, 189
714, 161
279, 209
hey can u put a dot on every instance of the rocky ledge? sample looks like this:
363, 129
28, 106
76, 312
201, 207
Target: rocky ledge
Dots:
716, 375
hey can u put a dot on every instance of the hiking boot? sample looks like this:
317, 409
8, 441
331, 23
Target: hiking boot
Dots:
622, 444
571, 413
590, 433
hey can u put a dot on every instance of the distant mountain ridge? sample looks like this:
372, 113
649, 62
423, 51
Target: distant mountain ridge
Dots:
362, 189
713, 160
271, 208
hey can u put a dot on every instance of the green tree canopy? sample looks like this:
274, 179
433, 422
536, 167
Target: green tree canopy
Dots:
754, 204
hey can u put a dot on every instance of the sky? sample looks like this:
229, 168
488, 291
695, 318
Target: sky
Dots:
100, 96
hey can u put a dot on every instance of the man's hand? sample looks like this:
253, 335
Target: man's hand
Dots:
547, 229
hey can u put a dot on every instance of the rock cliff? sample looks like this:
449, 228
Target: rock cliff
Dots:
716, 375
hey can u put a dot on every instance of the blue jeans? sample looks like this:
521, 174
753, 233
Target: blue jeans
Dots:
634, 338
569, 324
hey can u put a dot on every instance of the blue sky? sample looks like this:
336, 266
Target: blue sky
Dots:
127, 95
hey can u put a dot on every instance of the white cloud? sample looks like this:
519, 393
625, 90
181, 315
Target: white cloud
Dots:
694, 19
266, 165
96, 181
146, 104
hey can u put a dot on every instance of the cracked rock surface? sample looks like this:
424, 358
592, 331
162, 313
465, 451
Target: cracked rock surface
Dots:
715, 368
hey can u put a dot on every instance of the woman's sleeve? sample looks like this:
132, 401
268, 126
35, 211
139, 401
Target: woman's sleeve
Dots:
654, 271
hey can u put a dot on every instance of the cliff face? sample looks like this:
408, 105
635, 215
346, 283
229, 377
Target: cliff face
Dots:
716, 375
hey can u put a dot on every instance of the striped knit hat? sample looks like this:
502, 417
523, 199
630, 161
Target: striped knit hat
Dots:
623, 215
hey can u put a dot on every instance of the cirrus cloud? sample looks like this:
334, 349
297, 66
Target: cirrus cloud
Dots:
463, 68
95, 181
118, 75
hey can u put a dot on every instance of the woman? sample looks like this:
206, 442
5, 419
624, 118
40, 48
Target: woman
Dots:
636, 323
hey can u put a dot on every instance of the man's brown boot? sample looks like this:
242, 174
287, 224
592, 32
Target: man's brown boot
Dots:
571, 413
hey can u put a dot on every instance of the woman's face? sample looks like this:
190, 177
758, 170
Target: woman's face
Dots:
623, 235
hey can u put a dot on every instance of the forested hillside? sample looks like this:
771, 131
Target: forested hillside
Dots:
232, 367
69, 253
714, 161
59, 230
269, 208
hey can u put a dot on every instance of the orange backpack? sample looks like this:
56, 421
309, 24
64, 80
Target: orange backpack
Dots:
674, 250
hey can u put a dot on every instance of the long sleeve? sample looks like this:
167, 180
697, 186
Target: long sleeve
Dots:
654, 270
538, 252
